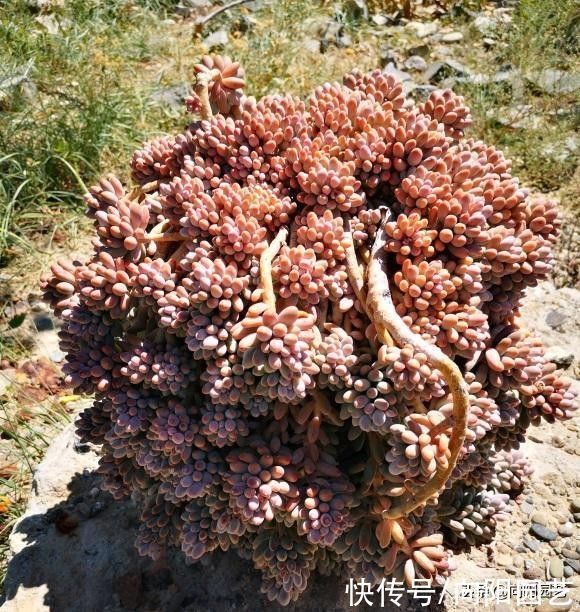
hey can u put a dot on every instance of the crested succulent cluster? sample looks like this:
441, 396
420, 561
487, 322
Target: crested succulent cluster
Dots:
300, 326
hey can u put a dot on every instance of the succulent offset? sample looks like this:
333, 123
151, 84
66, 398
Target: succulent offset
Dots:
300, 325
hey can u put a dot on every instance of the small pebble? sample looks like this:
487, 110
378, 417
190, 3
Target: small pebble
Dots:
415, 62
566, 530
541, 518
518, 561
43, 322
574, 565
576, 516
556, 568
575, 504
533, 545
504, 560
57, 356
571, 554
542, 532
528, 564
503, 547
557, 441
527, 508
452, 37
520, 548
568, 571
535, 573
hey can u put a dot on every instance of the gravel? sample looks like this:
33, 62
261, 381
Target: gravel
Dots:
542, 532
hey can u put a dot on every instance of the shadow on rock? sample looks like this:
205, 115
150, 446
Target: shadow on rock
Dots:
73, 551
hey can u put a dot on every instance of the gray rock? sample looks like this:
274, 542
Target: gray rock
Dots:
555, 318
533, 545
387, 56
219, 38
170, 97
566, 530
560, 356
400, 74
415, 62
576, 516
527, 508
52, 24
517, 117
438, 71
43, 322
541, 518
568, 571
421, 92
556, 81
535, 573
422, 29
452, 37
380, 19
521, 548
556, 568
573, 564
57, 356
423, 50
504, 560
485, 25
344, 40
543, 533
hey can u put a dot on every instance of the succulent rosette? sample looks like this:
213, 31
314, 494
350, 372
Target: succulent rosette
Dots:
299, 326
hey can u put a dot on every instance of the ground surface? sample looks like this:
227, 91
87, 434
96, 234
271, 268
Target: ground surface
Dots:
74, 539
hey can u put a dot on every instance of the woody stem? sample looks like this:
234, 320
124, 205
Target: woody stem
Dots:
385, 318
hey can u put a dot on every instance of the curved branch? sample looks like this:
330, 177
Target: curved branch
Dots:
385, 317
354, 273
268, 296
201, 89
356, 278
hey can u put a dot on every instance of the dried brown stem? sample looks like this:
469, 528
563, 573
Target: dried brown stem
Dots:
385, 318
201, 89
202, 21
356, 278
141, 190
167, 237
355, 274
268, 296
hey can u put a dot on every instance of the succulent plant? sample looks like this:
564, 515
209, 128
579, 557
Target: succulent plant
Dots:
300, 329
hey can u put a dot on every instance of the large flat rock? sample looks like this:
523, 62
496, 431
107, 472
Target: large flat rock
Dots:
73, 551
